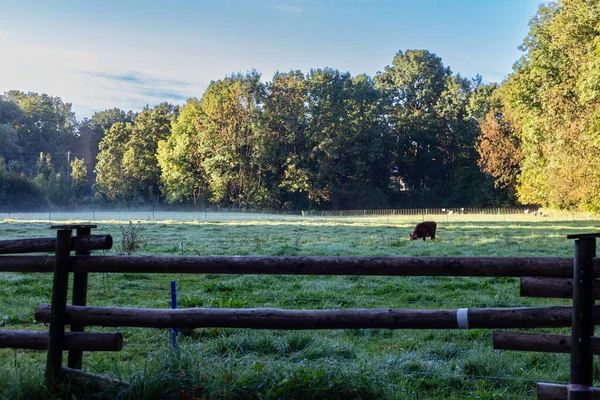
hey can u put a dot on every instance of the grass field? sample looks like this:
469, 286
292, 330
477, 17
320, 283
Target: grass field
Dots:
330, 364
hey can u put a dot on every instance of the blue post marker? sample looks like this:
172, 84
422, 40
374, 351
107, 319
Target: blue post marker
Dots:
174, 331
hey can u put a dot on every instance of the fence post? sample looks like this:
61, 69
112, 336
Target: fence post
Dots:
582, 362
80, 283
56, 331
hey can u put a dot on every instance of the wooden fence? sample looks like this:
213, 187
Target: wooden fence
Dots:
554, 277
179, 213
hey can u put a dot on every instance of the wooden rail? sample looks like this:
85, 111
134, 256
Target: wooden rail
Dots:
557, 288
374, 266
80, 341
91, 382
48, 245
551, 391
268, 318
541, 342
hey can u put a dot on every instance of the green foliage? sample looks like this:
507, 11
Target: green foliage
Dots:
553, 102
49, 182
10, 117
79, 180
91, 132
182, 175
227, 135
347, 157
433, 129
283, 145
127, 169
330, 140
17, 192
139, 163
110, 178
321, 140
45, 123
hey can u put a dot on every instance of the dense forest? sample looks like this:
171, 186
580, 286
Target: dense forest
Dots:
414, 134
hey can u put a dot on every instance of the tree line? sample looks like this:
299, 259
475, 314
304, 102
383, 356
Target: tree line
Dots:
541, 138
414, 134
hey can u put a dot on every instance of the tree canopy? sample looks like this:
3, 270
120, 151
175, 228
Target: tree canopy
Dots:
414, 134
547, 123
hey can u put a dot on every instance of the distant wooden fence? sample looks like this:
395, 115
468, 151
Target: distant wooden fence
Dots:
540, 276
216, 213
423, 211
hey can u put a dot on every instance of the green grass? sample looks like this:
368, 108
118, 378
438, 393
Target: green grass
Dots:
330, 364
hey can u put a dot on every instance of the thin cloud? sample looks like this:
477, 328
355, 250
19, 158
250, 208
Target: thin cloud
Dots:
80, 77
164, 95
296, 8
146, 88
288, 9
137, 78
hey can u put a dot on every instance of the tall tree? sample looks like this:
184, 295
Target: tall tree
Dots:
91, 131
182, 176
111, 183
499, 146
282, 146
48, 124
11, 116
553, 99
78, 179
50, 183
497, 150
127, 168
140, 165
226, 133
413, 86
346, 158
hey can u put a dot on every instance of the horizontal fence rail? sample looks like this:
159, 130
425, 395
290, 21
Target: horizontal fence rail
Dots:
48, 245
268, 318
371, 266
555, 288
81, 341
552, 391
92, 382
542, 342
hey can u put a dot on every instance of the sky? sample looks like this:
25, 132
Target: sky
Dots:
100, 54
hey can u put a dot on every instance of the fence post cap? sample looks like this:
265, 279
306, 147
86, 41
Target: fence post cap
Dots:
73, 226
583, 235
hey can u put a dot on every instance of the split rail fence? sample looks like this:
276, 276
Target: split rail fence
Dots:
552, 277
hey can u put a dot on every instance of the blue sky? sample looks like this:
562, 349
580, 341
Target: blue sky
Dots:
119, 53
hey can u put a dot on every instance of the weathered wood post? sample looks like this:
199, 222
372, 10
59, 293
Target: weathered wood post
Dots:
56, 331
80, 283
582, 362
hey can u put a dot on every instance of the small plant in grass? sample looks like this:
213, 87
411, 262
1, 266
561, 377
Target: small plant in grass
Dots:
132, 238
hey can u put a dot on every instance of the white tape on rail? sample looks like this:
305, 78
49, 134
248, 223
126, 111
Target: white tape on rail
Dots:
462, 318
